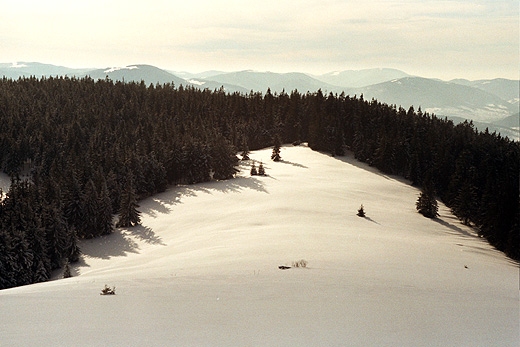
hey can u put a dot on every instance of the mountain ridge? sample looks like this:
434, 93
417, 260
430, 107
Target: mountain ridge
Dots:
485, 101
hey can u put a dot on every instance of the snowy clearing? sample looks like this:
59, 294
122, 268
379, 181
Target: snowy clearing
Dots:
113, 69
196, 82
16, 65
202, 270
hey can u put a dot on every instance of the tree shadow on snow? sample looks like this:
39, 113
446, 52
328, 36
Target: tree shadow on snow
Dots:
371, 220
350, 159
116, 244
239, 183
153, 206
293, 164
457, 230
75, 269
145, 234
161, 203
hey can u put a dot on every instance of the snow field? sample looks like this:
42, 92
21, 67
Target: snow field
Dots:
202, 270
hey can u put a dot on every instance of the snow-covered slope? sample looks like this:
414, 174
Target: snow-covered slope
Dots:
147, 73
276, 82
361, 78
441, 98
27, 69
202, 270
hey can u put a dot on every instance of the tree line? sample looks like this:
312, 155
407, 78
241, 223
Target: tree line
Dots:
80, 151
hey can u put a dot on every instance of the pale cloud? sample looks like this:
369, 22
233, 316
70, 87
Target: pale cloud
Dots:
445, 39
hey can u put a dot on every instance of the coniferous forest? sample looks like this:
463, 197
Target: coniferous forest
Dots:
80, 151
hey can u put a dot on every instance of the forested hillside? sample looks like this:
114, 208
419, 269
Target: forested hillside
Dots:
81, 150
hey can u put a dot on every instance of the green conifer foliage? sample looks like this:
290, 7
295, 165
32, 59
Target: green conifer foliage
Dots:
254, 171
128, 214
91, 135
261, 170
427, 205
223, 159
361, 211
276, 149
66, 271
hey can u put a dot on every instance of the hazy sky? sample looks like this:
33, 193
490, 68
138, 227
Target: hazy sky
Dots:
444, 39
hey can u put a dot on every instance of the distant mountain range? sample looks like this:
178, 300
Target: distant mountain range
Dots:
489, 103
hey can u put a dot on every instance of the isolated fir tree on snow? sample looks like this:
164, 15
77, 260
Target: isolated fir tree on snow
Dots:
361, 211
276, 149
128, 214
254, 172
427, 204
261, 170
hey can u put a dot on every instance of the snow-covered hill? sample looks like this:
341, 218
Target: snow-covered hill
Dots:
508, 90
202, 270
276, 82
147, 73
361, 78
27, 69
442, 98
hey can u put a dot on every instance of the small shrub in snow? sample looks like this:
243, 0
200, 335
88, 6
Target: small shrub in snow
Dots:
254, 172
276, 149
108, 291
261, 170
361, 211
300, 263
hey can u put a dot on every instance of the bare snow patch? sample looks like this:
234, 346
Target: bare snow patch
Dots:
17, 66
196, 82
112, 69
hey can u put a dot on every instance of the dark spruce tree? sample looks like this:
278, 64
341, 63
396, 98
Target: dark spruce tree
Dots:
104, 224
90, 203
427, 204
73, 204
223, 159
57, 233
128, 214
66, 270
275, 156
261, 170
7, 266
361, 211
245, 149
72, 250
253, 171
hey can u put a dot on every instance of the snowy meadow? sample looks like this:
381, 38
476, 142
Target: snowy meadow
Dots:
203, 269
